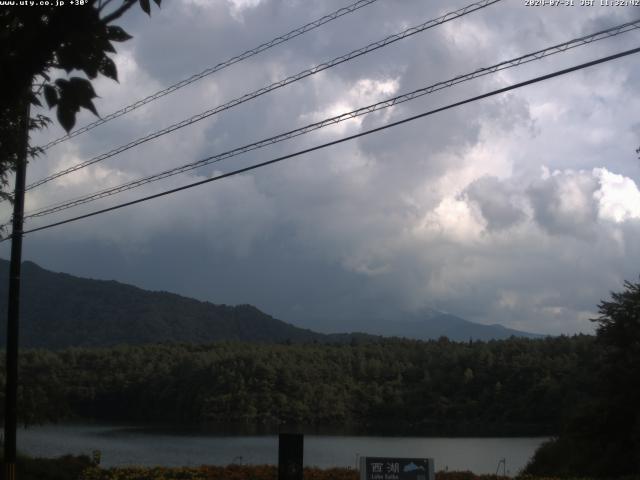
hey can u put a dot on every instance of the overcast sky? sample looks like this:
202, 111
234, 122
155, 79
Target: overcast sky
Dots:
522, 209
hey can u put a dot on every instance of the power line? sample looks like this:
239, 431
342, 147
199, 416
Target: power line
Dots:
344, 139
537, 55
216, 68
274, 86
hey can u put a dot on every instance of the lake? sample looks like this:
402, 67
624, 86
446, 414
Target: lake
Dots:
122, 445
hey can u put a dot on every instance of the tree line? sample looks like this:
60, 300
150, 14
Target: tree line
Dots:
508, 387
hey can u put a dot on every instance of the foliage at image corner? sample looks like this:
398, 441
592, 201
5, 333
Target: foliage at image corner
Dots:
35, 43
602, 438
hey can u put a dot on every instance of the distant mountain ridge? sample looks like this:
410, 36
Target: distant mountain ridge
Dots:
434, 324
60, 310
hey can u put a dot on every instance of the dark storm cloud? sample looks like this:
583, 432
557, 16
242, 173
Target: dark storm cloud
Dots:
450, 212
565, 204
496, 203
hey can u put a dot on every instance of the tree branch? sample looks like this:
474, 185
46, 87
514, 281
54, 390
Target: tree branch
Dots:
118, 12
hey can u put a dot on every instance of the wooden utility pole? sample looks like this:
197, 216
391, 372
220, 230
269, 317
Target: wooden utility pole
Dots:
13, 313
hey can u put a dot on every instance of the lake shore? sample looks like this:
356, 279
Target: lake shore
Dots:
84, 468
123, 447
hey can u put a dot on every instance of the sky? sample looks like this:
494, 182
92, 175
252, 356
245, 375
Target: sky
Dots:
522, 209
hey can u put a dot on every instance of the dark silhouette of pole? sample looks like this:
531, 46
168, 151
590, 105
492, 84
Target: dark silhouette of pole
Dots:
13, 313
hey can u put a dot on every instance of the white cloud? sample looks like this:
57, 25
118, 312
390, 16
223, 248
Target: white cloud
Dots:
363, 92
239, 6
618, 196
454, 220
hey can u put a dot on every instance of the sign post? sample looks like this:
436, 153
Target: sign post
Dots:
290, 456
13, 312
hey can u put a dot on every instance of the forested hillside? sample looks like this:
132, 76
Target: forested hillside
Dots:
516, 386
60, 310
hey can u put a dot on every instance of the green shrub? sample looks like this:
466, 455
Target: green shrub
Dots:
68, 467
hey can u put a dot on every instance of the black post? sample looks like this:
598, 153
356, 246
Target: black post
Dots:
13, 313
290, 454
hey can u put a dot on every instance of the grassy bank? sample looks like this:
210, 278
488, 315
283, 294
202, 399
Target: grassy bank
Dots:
263, 472
84, 468
241, 472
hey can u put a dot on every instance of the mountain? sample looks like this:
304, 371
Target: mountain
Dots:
431, 324
60, 310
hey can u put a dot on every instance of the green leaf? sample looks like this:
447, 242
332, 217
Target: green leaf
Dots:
108, 68
50, 95
88, 104
34, 100
39, 122
66, 116
74, 93
91, 65
117, 34
83, 87
66, 58
82, 93
107, 47
62, 83
144, 4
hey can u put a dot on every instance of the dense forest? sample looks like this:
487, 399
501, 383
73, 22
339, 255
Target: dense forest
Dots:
507, 387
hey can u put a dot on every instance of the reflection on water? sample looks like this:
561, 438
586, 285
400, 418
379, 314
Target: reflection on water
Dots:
124, 445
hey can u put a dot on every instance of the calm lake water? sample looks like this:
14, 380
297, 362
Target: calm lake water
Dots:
138, 446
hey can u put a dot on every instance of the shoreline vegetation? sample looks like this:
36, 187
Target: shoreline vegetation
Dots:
514, 387
86, 468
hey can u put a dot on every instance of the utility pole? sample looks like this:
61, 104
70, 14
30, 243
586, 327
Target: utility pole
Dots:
13, 313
